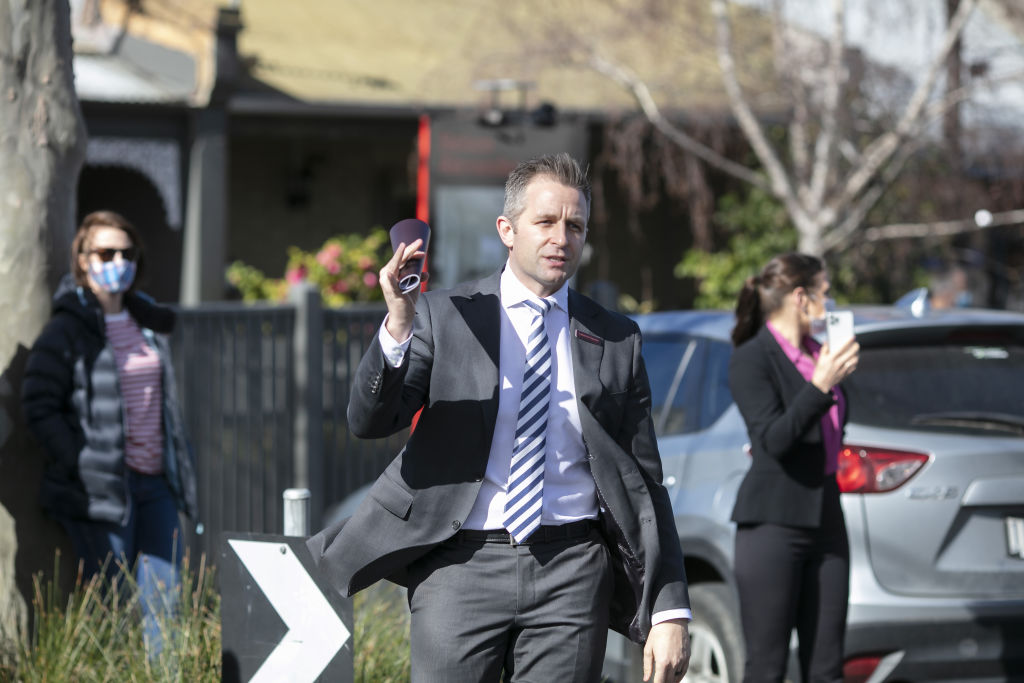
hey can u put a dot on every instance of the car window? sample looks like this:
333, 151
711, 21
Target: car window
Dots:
674, 367
953, 386
715, 397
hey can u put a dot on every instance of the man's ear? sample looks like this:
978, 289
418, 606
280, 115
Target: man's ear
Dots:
506, 231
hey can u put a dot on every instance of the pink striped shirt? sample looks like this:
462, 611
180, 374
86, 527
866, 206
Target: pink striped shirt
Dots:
138, 368
831, 423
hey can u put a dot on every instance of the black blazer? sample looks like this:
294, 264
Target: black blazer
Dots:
451, 371
783, 414
72, 402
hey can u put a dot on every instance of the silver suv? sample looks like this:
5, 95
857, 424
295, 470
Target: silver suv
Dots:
933, 477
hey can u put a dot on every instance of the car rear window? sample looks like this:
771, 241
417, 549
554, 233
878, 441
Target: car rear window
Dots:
961, 387
673, 367
689, 381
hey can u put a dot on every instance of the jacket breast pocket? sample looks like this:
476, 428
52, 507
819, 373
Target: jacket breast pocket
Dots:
392, 496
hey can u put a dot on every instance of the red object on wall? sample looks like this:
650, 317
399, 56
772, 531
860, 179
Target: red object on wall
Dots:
423, 169
423, 178
423, 195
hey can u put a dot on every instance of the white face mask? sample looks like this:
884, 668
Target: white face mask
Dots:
818, 325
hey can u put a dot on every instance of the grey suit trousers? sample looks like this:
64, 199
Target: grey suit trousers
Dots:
538, 612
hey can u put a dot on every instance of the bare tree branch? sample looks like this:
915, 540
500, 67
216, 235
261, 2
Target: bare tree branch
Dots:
941, 228
954, 97
800, 116
835, 78
781, 186
642, 94
798, 143
840, 235
849, 151
883, 147
827, 182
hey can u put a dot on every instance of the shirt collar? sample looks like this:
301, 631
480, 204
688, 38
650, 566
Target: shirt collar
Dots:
514, 292
793, 353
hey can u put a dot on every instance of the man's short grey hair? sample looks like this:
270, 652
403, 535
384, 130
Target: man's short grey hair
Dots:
559, 167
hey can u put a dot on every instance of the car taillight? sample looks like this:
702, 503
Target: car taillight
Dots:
864, 469
859, 669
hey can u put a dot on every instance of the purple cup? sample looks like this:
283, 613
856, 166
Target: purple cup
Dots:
408, 231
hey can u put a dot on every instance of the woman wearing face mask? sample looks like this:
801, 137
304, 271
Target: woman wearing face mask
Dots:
792, 556
99, 395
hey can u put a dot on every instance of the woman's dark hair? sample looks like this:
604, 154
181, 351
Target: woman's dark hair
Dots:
83, 242
762, 294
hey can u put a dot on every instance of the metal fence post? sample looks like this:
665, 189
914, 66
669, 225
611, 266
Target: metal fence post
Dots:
296, 512
308, 472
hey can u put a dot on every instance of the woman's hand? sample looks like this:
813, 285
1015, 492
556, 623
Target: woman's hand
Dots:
833, 367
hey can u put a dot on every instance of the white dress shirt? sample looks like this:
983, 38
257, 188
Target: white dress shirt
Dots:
569, 490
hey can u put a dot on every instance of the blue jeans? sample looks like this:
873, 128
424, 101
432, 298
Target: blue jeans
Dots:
152, 535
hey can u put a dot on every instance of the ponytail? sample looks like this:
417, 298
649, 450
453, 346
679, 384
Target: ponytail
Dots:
764, 293
748, 311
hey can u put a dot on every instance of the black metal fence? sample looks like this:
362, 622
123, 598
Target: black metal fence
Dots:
264, 389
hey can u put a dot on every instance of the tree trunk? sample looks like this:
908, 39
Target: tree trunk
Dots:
42, 148
809, 233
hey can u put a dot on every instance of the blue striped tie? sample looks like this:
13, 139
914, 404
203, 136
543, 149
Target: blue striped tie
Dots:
526, 474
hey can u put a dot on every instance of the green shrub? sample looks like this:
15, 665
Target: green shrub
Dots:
381, 635
344, 269
755, 228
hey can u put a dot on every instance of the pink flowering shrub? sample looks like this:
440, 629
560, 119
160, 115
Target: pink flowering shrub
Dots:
345, 269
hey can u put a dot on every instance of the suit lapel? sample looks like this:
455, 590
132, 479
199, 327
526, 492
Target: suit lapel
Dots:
587, 343
481, 310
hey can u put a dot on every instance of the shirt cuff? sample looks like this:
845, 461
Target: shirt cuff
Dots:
659, 617
394, 351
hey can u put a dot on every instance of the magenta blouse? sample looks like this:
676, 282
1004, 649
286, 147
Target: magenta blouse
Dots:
831, 423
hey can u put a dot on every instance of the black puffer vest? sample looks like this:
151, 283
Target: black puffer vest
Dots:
71, 397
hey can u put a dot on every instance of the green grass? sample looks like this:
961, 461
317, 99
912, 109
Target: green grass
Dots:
381, 634
95, 634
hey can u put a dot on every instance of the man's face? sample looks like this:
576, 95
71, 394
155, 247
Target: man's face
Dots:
546, 241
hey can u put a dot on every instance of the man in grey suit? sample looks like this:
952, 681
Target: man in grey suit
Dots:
526, 513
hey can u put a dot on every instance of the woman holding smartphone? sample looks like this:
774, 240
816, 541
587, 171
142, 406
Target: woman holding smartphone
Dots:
792, 555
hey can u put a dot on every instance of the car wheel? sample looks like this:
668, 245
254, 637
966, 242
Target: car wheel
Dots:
716, 641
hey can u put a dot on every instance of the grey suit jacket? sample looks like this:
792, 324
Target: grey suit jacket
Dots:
424, 495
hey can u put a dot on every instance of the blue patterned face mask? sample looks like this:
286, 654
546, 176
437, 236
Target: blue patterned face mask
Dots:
113, 276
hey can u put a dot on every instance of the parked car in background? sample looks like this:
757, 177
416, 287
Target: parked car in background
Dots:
932, 471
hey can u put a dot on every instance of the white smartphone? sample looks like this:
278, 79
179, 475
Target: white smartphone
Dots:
839, 326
